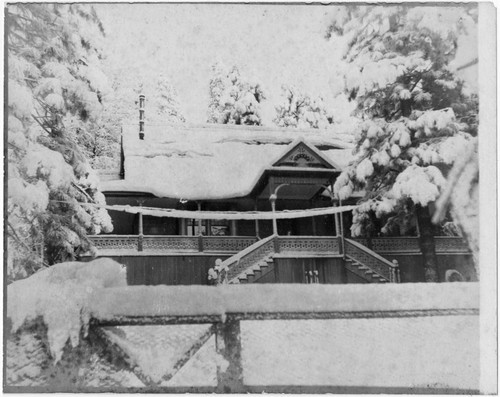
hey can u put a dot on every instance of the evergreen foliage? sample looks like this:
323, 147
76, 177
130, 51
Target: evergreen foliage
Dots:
301, 110
233, 99
418, 116
54, 93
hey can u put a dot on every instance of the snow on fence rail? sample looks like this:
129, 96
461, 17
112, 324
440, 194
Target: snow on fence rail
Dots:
147, 303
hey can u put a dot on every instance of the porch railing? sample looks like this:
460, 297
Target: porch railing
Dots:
376, 263
147, 243
410, 245
309, 244
319, 244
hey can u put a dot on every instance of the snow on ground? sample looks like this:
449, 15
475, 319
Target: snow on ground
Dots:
213, 161
439, 352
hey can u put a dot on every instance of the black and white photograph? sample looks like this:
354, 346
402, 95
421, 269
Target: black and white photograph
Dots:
250, 198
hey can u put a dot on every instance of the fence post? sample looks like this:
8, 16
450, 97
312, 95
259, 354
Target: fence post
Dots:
200, 243
228, 345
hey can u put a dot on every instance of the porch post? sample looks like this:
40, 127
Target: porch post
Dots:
200, 237
256, 222
342, 230
234, 231
313, 221
337, 220
141, 234
199, 220
272, 199
183, 227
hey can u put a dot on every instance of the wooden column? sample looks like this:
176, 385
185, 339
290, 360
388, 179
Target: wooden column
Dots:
256, 222
199, 220
141, 232
313, 220
234, 231
337, 221
183, 230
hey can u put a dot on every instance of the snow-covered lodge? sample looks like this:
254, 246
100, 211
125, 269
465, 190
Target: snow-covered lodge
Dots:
229, 178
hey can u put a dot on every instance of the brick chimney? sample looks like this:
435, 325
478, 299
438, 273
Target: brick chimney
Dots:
141, 116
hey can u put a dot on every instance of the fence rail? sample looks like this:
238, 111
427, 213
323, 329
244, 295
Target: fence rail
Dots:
227, 307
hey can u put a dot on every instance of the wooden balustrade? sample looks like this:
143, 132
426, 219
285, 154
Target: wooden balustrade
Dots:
374, 262
410, 245
300, 244
172, 243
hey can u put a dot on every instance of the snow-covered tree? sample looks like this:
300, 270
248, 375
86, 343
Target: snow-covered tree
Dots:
121, 106
233, 99
54, 88
418, 116
301, 110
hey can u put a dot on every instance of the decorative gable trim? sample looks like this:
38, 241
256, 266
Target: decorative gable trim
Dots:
304, 156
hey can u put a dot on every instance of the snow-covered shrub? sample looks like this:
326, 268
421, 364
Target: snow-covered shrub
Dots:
60, 295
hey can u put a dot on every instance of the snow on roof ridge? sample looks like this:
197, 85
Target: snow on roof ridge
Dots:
242, 127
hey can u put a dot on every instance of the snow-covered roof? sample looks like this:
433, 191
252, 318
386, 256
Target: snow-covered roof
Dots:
213, 161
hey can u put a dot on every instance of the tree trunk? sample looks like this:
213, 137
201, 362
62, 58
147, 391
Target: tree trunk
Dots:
427, 245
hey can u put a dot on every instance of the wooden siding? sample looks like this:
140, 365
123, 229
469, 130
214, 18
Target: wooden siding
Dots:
292, 270
171, 270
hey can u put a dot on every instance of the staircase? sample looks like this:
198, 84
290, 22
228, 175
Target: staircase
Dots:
254, 273
369, 265
256, 261
363, 271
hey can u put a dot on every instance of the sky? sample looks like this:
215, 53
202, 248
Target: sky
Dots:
273, 44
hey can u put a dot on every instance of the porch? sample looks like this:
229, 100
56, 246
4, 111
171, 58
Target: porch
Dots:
163, 244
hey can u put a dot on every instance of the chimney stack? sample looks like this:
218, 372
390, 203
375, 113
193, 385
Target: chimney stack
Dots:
141, 116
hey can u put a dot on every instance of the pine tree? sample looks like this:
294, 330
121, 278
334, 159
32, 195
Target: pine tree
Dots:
233, 100
53, 90
418, 116
300, 110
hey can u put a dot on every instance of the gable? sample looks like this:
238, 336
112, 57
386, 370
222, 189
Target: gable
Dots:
301, 155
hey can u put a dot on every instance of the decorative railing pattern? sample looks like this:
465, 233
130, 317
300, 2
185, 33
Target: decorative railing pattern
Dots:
376, 263
320, 245
170, 243
408, 245
451, 245
227, 243
115, 241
